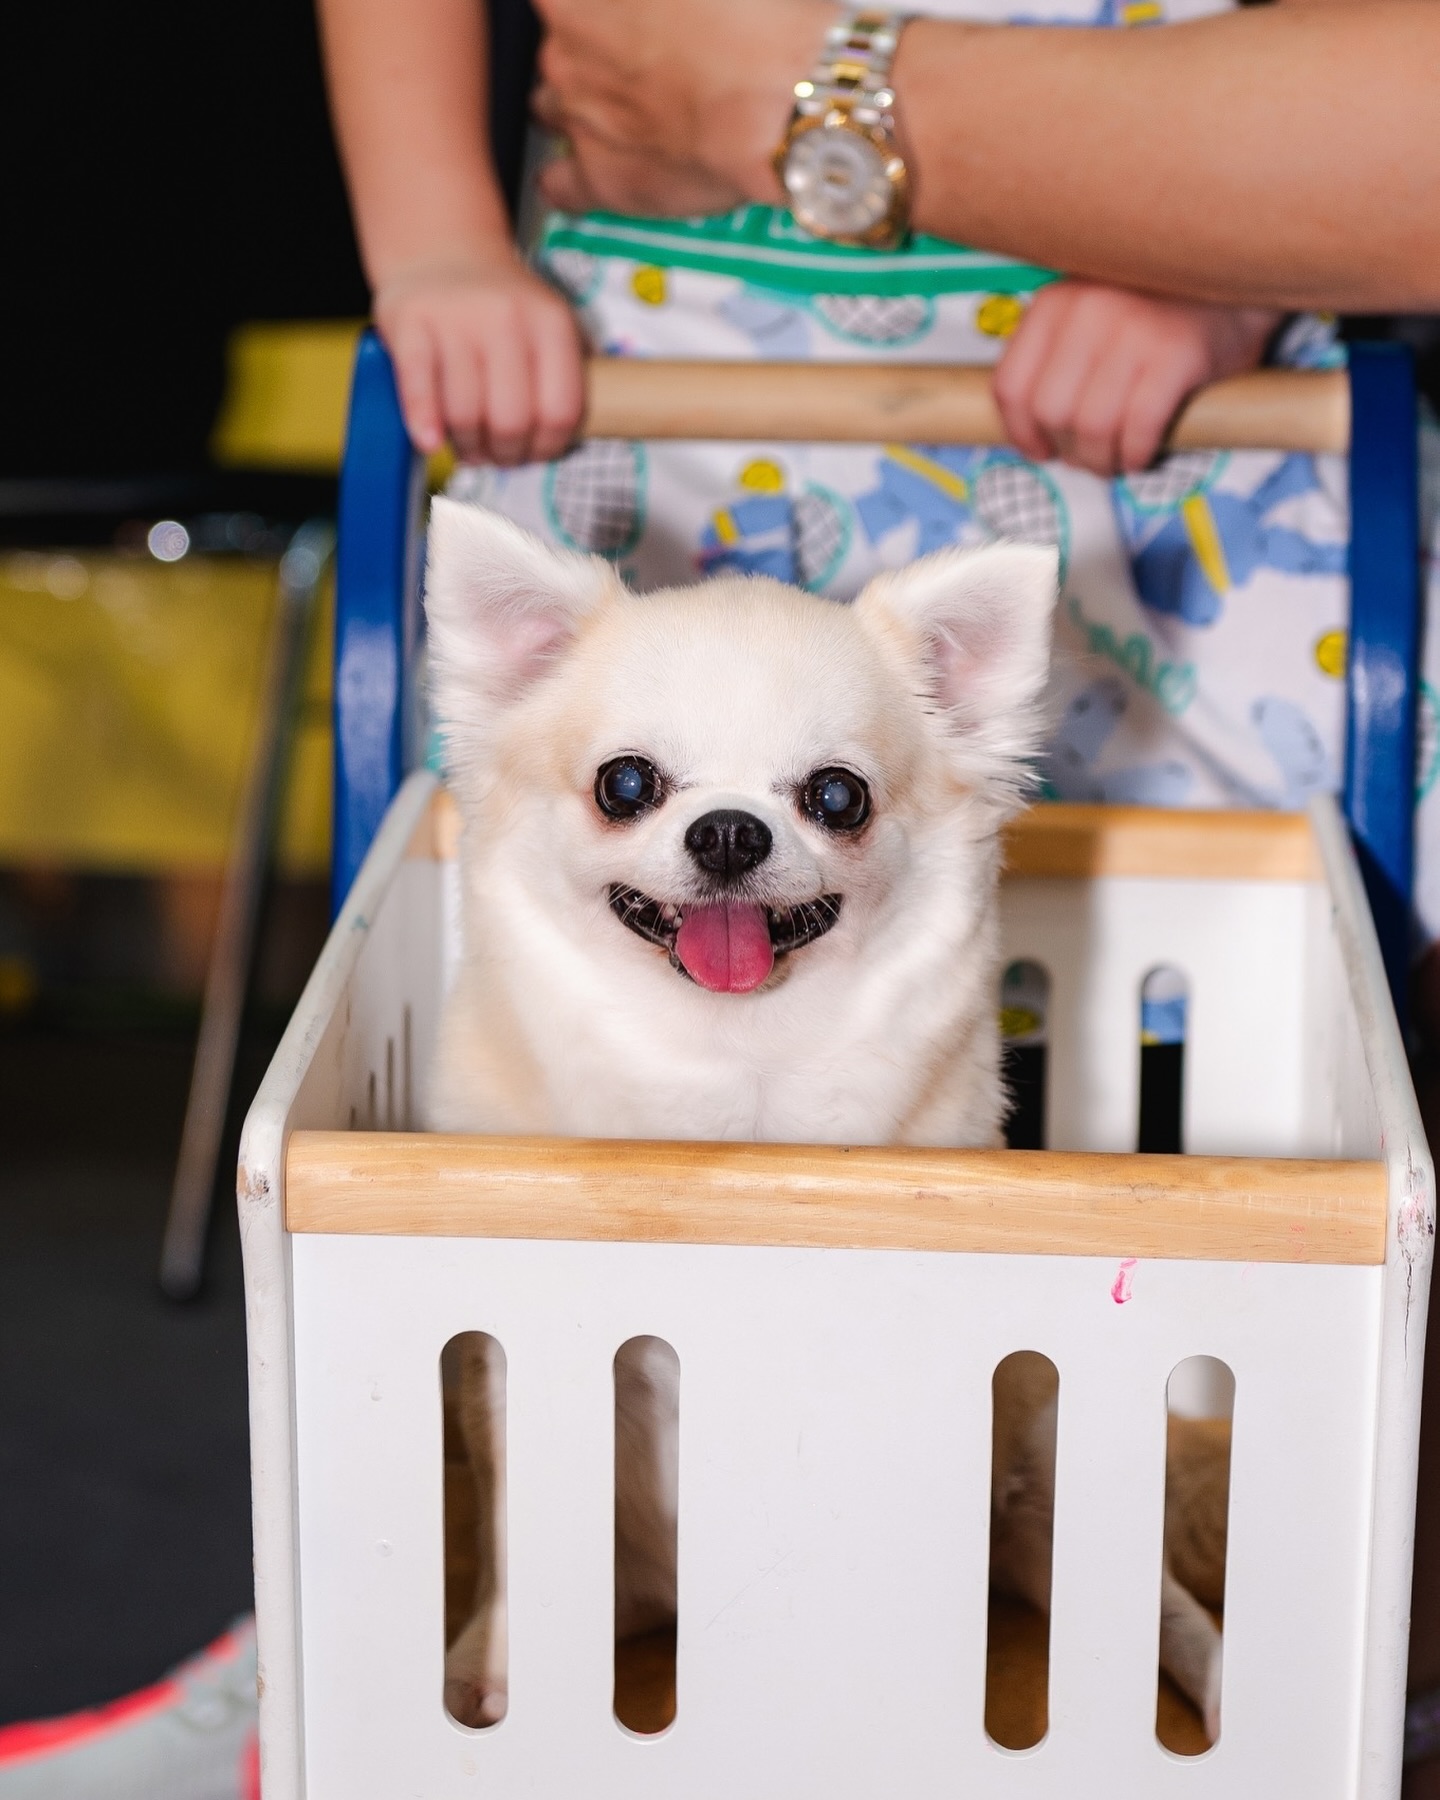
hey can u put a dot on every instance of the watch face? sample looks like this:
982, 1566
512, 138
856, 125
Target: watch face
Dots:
837, 182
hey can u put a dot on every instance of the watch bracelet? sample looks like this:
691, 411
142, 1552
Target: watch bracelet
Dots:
853, 70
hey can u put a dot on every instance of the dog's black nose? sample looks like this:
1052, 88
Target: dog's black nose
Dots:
727, 844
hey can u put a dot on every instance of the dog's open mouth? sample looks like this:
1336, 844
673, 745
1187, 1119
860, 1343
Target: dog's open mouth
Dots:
729, 946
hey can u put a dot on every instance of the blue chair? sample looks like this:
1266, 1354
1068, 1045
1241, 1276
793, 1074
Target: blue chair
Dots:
378, 616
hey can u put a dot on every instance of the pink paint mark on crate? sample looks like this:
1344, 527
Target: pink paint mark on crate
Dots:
1120, 1287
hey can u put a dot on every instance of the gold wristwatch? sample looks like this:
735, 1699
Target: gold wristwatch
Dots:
839, 160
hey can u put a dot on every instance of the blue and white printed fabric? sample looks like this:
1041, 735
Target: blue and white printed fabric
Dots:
1201, 639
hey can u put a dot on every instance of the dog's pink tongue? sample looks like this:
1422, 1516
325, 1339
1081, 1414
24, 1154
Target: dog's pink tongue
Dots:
725, 948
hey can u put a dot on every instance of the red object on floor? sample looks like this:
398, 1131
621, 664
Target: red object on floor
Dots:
193, 1735
43, 1737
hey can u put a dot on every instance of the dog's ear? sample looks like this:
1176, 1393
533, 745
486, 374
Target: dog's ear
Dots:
973, 627
500, 607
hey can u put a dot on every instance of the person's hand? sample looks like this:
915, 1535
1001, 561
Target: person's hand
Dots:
1095, 375
584, 173
672, 108
486, 355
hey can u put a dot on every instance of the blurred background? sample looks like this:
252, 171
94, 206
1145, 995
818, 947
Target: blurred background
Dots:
170, 182
180, 299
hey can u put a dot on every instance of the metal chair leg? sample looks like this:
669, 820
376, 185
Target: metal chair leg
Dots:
182, 1256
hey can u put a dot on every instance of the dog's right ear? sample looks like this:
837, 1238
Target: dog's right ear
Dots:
501, 607
973, 628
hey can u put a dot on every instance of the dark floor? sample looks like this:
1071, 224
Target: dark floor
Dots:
124, 1481
124, 1486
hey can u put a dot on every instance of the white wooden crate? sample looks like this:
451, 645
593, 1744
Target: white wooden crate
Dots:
838, 1316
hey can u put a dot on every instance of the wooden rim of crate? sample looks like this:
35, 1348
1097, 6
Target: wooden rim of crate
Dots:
1247, 1209
1205, 1208
1057, 841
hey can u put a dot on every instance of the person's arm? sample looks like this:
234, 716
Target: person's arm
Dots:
1283, 156
483, 349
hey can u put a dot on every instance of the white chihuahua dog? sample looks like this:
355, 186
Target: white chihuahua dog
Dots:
730, 851
729, 871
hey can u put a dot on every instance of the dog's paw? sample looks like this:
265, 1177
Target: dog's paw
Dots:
476, 1685
1210, 1701
476, 1700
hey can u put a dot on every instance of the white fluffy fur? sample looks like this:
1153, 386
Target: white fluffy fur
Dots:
884, 1030
562, 1021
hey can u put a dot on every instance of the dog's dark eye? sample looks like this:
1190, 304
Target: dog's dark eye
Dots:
626, 786
837, 799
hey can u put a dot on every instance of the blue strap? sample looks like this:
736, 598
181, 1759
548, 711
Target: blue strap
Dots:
376, 611
1384, 659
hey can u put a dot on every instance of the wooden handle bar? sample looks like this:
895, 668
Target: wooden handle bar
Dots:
927, 403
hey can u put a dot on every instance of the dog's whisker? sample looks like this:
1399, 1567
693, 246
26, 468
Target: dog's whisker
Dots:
647, 918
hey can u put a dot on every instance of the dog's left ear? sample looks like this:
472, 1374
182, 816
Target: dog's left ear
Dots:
501, 607
974, 627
